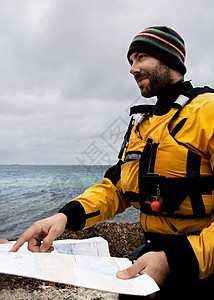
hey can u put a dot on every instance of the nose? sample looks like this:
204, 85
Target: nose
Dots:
135, 68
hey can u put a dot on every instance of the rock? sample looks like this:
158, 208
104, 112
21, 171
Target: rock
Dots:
122, 238
48, 292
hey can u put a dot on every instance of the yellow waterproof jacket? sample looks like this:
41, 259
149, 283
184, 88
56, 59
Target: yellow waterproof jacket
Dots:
169, 158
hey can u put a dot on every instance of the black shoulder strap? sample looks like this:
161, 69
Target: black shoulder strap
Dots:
190, 94
194, 92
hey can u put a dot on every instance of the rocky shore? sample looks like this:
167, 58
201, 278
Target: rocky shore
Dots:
122, 238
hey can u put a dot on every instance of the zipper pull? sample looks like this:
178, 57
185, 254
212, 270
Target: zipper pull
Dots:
156, 205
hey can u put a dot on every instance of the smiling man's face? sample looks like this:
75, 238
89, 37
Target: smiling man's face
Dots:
150, 74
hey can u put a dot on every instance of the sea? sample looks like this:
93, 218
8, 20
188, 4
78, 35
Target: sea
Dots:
31, 192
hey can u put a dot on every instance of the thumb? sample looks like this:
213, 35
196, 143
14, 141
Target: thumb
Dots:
129, 272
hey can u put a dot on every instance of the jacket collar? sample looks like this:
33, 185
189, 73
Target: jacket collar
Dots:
167, 96
165, 99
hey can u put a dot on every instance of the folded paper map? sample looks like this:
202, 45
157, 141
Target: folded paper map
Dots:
86, 263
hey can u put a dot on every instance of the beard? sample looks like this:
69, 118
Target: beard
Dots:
158, 77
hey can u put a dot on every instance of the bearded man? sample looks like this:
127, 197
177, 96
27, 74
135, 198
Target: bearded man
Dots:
165, 170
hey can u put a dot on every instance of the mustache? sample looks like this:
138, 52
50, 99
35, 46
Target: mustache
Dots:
141, 76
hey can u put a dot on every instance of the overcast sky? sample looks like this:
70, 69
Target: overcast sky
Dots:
65, 86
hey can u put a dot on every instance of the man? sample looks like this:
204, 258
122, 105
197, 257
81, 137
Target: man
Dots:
165, 169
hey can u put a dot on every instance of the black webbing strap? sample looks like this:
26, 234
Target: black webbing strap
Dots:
126, 137
153, 157
148, 211
145, 159
143, 168
142, 109
193, 177
178, 127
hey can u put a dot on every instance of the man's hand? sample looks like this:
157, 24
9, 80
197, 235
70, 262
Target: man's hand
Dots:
154, 264
46, 230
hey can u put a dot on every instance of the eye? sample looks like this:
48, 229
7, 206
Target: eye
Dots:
141, 56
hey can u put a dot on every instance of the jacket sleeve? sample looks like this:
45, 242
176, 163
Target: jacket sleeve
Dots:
98, 203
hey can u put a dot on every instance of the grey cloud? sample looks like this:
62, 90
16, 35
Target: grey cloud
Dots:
65, 77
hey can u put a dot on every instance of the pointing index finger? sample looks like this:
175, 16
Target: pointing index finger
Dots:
22, 239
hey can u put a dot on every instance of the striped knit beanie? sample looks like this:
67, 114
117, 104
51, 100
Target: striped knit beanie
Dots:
162, 43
